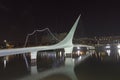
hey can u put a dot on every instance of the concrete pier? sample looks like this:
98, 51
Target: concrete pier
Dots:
33, 66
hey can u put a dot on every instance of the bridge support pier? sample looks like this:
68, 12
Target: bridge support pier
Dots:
33, 67
68, 51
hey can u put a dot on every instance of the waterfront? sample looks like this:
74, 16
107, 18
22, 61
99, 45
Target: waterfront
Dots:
93, 67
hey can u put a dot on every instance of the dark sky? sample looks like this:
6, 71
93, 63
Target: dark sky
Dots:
20, 17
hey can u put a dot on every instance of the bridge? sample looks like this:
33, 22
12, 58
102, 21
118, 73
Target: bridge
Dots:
65, 44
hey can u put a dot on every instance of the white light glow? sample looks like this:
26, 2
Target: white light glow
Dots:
118, 46
5, 63
79, 59
119, 52
78, 52
33, 55
60, 53
108, 46
108, 52
78, 47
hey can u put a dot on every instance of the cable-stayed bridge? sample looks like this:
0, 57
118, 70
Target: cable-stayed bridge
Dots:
65, 44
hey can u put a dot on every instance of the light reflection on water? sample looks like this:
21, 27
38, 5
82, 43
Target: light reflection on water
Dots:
49, 59
92, 68
100, 67
108, 55
16, 67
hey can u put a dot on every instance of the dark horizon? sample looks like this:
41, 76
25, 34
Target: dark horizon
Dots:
19, 18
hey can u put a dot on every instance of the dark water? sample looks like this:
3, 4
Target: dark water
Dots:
97, 67
101, 67
15, 68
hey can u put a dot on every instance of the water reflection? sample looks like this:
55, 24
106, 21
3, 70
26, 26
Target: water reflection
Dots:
15, 68
50, 59
109, 53
95, 68
79, 51
50, 62
102, 65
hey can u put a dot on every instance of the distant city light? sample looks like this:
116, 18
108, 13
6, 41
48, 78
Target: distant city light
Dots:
78, 47
108, 47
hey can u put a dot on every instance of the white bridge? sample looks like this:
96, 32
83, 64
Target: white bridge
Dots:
65, 44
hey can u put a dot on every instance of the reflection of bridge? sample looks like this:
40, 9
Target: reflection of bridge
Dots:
67, 70
65, 44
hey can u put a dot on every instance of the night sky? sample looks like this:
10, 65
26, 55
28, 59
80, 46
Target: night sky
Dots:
18, 18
